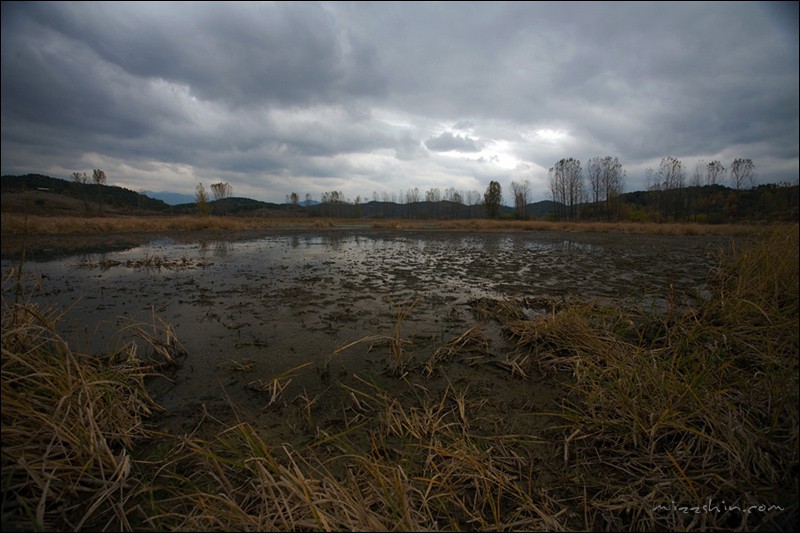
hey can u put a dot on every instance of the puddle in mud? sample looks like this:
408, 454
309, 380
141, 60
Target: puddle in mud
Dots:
252, 310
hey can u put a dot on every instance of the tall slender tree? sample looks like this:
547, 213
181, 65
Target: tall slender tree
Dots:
673, 182
567, 188
81, 179
492, 199
99, 178
521, 191
201, 199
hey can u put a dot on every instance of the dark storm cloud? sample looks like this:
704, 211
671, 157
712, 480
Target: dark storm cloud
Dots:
318, 93
236, 53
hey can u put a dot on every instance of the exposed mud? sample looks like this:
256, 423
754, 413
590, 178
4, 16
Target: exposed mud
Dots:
325, 311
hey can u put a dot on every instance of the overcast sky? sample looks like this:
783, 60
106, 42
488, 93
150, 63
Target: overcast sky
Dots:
380, 97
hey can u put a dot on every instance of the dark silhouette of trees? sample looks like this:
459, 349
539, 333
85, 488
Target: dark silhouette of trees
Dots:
567, 188
712, 202
742, 171
333, 203
99, 178
606, 181
82, 179
492, 199
715, 173
673, 183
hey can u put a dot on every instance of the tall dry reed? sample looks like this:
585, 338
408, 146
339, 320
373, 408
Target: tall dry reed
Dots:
698, 407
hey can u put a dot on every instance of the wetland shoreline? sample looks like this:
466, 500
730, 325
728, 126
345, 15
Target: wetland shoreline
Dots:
418, 348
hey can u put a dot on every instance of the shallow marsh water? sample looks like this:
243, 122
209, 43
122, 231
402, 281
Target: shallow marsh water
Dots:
248, 311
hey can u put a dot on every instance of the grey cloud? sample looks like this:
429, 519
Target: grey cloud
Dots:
238, 53
447, 141
409, 148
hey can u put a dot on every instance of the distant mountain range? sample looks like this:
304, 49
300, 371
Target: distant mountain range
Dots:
170, 198
176, 198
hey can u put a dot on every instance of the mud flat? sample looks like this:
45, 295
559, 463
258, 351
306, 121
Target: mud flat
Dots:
272, 318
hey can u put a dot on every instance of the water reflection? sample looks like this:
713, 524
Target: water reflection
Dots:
217, 248
520, 263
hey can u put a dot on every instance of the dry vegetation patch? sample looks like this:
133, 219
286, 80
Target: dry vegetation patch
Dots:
20, 224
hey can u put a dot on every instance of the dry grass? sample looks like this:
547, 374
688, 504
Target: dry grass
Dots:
421, 470
399, 356
276, 385
15, 224
70, 421
697, 406
591, 227
472, 340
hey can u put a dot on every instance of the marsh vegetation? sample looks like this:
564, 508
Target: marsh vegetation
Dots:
511, 407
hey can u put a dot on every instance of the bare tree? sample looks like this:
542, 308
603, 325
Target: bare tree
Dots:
697, 176
673, 182
652, 180
433, 195
99, 178
332, 203
521, 191
594, 172
693, 193
742, 171
558, 191
715, 173
221, 191
567, 187
412, 197
81, 179
473, 199
456, 201
613, 182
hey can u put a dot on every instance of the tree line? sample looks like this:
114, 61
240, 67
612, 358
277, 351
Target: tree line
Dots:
708, 194
591, 192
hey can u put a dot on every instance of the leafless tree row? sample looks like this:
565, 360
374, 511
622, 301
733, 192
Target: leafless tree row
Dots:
567, 188
671, 179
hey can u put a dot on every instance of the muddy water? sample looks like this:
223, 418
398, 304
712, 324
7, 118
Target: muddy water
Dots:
249, 311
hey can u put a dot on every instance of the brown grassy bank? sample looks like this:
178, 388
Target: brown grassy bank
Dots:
17, 224
665, 413
70, 233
